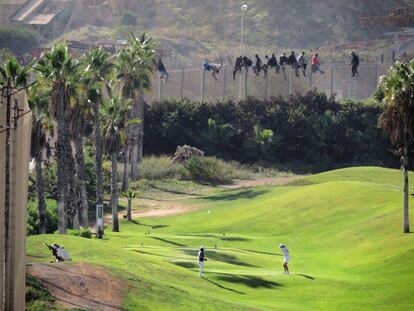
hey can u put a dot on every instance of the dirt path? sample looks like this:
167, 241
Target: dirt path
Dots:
163, 208
80, 286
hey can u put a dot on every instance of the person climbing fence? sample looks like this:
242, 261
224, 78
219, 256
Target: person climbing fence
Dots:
315, 64
354, 65
302, 63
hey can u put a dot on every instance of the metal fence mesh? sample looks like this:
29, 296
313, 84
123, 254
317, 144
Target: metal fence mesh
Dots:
197, 84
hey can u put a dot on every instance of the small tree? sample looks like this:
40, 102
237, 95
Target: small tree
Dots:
114, 115
129, 195
396, 90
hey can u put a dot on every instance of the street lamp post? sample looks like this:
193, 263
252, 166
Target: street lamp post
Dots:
244, 8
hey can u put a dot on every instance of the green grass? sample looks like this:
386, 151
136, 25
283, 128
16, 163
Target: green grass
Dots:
343, 228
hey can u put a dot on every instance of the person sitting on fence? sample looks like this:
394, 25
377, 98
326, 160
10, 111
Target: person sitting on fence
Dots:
315, 64
273, 63
214, 68
283, 60
258, 66
161, 69
237, 66
266, 65
354, 63
247, 62
302, 62
293, 62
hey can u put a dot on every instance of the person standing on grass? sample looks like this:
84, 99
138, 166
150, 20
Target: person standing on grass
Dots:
286, 258
201, 259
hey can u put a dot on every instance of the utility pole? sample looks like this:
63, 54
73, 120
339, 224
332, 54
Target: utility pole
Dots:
7, 198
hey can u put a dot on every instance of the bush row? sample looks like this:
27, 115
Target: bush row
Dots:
307, 129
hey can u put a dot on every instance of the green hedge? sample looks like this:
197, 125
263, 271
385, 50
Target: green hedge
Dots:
307, 130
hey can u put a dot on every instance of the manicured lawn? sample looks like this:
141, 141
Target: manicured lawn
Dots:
343, 229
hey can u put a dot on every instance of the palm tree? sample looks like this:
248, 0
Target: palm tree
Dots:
135, 66
56, 67
114, 116
78, 115
396, 90
41, 124
99, 68
129, 195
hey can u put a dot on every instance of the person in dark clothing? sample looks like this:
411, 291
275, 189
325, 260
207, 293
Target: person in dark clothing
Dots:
201, 259
258, 65
247, 62
293, 62
161, 69
266, 65
273, 63
354, 65
283, 61
237, 66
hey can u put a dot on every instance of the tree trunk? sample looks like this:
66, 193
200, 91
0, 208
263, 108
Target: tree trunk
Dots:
129, 212
133, 130
114, 193
62, 132
73, 198
98, 154
80, 171
40, 193
125, 180
141, 116
406, 225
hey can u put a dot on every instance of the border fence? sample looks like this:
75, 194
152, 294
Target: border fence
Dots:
199, 85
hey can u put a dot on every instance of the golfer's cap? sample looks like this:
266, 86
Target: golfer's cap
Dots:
281, 245
202, 247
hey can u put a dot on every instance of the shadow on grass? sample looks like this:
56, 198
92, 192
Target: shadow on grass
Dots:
185, 264
306, 276
215, 255
260, 252
167, 241
226, 288
249, 280
217, 236
245, 194
136, 222
234, 239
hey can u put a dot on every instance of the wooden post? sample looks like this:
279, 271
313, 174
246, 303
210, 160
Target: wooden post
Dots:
267, 87
290, 81
160, 89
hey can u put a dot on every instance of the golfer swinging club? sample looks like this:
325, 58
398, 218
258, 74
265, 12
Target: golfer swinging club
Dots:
286, 258
201, 260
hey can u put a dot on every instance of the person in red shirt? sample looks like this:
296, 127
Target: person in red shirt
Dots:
316, 66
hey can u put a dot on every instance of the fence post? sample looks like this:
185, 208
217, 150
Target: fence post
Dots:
310, 79
203, 81
182, 84
267, 86
240, 84
245, 85
290, 80
224, 83
160, 88
376, 74
332, 78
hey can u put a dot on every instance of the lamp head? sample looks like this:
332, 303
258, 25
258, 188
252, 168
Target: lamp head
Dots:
244, 7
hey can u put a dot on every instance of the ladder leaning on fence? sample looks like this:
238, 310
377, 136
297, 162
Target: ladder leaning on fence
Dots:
352, 90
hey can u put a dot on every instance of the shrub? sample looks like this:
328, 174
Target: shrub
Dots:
18, 40
212, 170
32, 226
82, 232
37, 296
159, 168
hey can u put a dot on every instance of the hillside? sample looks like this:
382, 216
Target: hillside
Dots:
343, 229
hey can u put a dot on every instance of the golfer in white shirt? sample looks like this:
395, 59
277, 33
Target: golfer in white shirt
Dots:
286, 258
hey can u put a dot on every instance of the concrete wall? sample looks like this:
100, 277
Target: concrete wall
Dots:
20, 151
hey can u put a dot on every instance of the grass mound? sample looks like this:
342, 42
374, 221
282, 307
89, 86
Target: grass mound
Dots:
343, 229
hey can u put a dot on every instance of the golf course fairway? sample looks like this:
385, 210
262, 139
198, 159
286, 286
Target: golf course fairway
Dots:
343, 230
